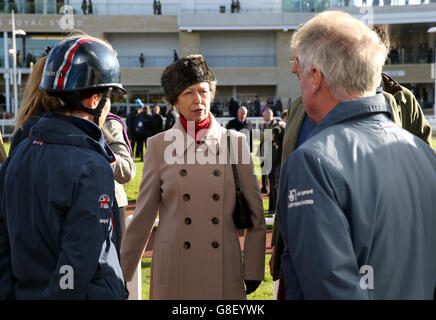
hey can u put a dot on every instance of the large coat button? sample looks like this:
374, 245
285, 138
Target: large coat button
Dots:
188, 220
215, 244
186, 197
183, 172
186, 245
216, 172
215, 220
216, 196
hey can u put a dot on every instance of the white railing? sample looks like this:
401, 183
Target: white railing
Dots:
7, 125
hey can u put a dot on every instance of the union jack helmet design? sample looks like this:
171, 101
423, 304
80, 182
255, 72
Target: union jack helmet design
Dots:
81, 63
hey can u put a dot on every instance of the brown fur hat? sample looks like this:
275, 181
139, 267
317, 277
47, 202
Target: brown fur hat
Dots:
183, 73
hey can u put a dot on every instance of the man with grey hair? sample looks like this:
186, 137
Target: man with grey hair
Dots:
357, 219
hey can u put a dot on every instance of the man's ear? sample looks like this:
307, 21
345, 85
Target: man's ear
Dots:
316, 79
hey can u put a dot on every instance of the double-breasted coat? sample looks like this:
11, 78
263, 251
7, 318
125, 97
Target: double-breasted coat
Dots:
196, 254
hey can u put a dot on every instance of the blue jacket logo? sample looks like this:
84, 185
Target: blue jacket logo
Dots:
104, 201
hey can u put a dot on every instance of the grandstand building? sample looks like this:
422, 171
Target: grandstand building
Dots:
247, 48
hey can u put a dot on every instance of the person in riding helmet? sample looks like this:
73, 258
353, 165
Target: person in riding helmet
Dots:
58, 214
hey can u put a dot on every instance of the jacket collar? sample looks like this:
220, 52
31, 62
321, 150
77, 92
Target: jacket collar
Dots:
211, 139
346, 110
69, 130
394, 88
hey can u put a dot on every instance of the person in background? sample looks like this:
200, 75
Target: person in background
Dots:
172, 117
284, 117
84, 6
3, 154
354, 173
143, 130
237, 6
233, 107
131, 125
12, 6
175, 55
257, 107
269, 123
141, 60
124, 167
156, 123
196, 252
278, 107
405, 112
90, 7
70, 250
241, 123
159, 7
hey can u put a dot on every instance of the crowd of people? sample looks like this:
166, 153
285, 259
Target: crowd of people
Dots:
350, 173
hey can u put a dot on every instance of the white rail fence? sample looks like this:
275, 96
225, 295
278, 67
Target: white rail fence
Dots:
7, 125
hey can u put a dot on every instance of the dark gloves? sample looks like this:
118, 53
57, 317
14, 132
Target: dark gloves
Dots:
251, 285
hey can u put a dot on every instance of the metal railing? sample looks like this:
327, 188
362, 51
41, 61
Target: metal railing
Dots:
149, 62
212, 61
138, 8
241, 61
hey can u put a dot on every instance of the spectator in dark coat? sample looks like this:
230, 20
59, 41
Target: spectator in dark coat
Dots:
84, 6
156, 124
233, 107
172, 117
257, 107
131, 122
241, 123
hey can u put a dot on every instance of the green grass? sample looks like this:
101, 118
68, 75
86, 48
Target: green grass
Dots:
264, 292
132, 188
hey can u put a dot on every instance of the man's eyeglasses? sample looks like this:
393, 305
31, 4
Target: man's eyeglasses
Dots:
292, 60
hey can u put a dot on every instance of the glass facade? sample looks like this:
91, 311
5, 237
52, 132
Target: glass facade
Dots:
31, 48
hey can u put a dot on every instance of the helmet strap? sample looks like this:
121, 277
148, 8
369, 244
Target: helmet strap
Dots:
101, 105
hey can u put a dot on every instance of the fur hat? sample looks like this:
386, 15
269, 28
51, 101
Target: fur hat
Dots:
183, 73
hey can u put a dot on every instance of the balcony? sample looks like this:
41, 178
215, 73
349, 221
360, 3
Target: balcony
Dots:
137, 7
241, 61
150, 61
212, 61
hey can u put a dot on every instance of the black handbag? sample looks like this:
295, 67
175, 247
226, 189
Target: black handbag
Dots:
241, 213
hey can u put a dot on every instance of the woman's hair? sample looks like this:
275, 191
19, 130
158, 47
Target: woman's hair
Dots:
212, 89
348, 53
32, 96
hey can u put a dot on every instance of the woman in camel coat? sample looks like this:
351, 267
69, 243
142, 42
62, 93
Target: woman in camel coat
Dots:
190, 184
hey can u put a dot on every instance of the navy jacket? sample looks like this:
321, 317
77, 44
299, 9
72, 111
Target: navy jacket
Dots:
57, 206
23, 132
357, 209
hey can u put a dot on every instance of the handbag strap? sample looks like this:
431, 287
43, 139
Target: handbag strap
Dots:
235, 172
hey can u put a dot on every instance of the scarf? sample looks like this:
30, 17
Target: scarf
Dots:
203, 125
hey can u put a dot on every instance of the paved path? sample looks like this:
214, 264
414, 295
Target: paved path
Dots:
149, 249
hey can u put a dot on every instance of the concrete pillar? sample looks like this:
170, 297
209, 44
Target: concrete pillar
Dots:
189, 43
135, 286
235, 93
